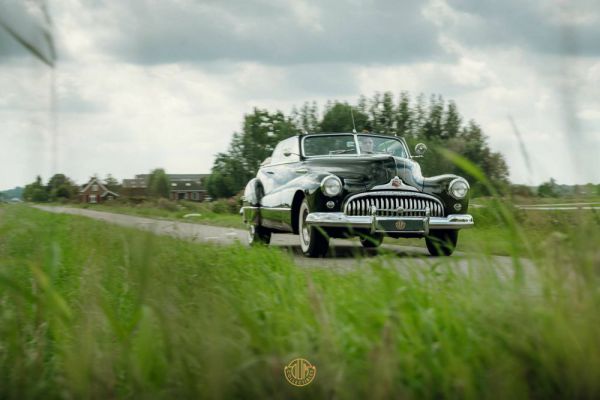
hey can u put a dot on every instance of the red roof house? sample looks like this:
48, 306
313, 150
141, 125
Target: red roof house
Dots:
95, 192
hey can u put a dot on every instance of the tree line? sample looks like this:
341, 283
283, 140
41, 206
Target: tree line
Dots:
62, 188
431, 120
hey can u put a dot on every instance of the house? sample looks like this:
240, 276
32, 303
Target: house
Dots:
95, 192
135, 188
183, 186
187, 190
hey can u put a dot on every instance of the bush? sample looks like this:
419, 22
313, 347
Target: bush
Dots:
165, 204
225, 206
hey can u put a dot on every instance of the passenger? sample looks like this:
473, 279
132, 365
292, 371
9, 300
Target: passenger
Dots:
366, 144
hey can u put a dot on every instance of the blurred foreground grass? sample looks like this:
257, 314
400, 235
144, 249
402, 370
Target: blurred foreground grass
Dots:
91, 310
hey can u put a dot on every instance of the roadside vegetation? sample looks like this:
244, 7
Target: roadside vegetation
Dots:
91, 310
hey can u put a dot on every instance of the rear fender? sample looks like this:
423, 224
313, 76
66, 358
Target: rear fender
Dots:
253, 193
251, 202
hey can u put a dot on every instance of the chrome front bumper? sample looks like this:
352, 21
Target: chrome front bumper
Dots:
397, 224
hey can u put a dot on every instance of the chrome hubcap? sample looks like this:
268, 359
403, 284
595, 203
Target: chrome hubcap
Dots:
305, 229
251, 231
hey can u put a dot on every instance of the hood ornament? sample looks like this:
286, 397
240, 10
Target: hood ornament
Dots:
395, 183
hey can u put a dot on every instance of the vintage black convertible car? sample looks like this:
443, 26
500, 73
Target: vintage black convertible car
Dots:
346, 184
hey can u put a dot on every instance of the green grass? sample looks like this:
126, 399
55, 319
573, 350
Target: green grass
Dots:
91, 310
493, 235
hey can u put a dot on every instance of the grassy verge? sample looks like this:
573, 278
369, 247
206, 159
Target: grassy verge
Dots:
90, 310
535, 229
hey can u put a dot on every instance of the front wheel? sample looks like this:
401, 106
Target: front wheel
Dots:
441, 242
371, 241
257, 235
313, 242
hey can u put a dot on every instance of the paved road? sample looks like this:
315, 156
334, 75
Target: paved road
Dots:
343, 253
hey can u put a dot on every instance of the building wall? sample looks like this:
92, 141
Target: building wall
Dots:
188, 195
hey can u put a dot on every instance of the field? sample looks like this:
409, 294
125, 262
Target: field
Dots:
91, 310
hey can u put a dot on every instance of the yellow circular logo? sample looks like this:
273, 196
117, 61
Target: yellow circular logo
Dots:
299, 372
400, 225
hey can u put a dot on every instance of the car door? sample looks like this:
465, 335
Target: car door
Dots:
276, 178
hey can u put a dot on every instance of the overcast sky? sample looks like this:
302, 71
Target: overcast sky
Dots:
159, 83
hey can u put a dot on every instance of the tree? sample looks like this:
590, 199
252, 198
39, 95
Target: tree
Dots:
548, 189
158, 184
521, 190
61, 187
432, 127
404, 116
382, 113
439, 125
228, 176
111, 183
452, 122
339, 119
35, 191
306, 119
261, 133
419, 116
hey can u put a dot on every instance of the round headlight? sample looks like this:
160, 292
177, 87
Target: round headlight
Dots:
331, 186
458, 188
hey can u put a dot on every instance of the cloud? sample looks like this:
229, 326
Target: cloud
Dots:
10, 49
142, 84
552, 27
278, 33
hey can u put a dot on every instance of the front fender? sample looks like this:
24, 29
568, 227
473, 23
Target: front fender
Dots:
438, 186
315, 197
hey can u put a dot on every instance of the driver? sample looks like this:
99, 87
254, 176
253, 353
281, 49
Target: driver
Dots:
366, 144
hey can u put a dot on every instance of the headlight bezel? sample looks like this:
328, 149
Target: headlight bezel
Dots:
333, 178
457, 181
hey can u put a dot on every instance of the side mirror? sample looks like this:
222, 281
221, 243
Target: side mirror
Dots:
420, 149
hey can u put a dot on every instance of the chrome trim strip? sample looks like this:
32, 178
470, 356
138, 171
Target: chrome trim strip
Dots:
265, 208
276, 208
340, 220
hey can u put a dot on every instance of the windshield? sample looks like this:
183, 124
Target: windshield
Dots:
330, 145
381, 145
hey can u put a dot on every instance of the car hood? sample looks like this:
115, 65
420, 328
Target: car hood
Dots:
365, 171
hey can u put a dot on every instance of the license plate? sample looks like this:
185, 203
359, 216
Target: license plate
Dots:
401, 225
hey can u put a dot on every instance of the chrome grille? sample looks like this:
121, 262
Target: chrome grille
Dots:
390, 204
